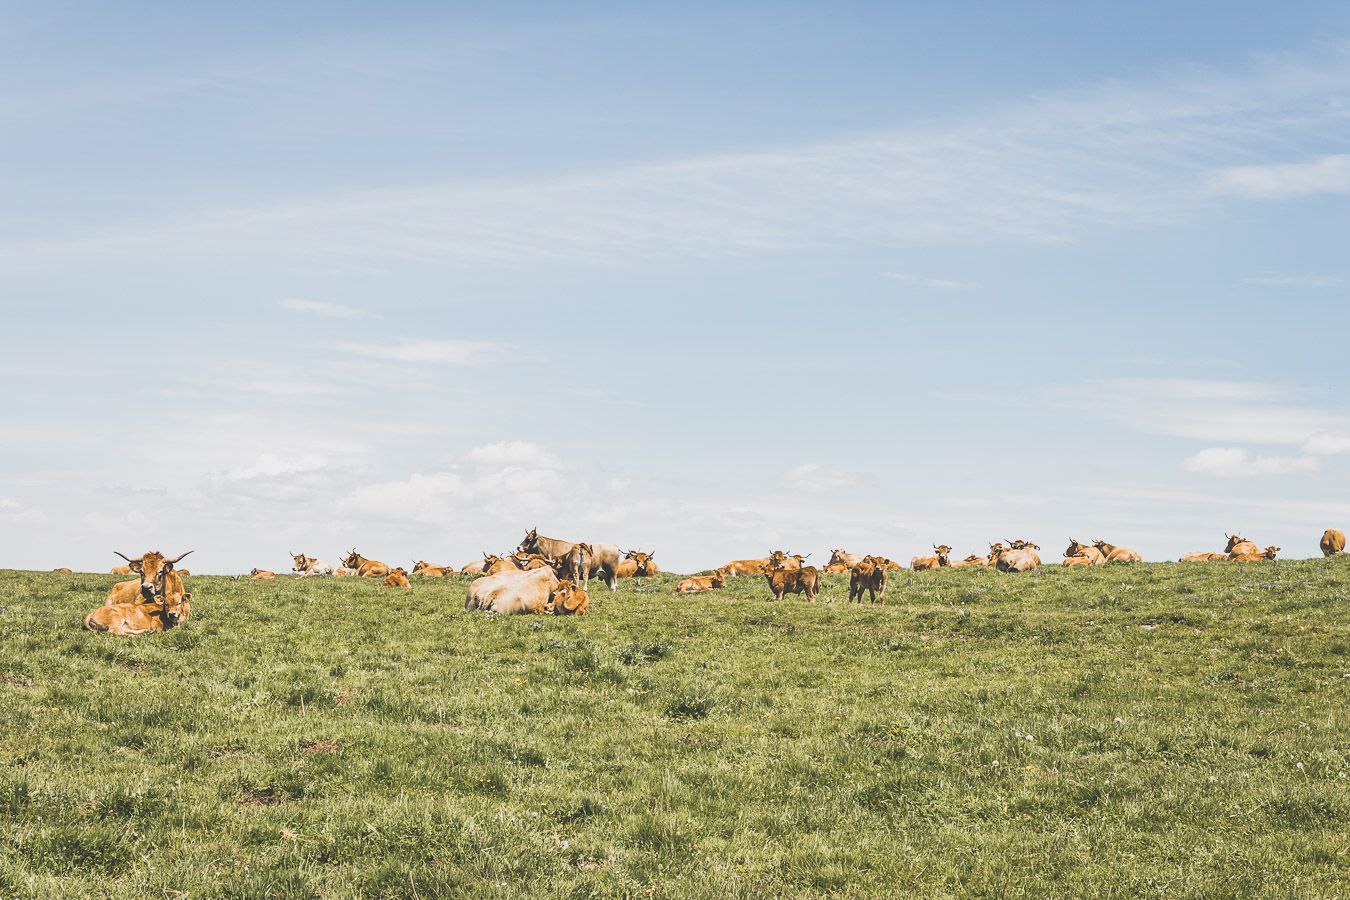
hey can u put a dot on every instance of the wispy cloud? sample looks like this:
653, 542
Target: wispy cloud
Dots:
1279, 181
1040, 170
939, 284
1236, 462
811, 477
416, 350
325, 310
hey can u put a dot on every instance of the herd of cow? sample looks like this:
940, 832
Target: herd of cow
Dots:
547, 575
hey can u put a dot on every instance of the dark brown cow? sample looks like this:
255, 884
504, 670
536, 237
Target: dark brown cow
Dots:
805, 580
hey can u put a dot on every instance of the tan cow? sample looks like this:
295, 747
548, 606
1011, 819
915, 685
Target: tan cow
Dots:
973, 559
397, 578
645, 563
429, 570
63, 571
627, 568
366, 568
512, 593
344, 572
1255, 556
262, 575
475, 568
128, 619
1117, 554
604, 557
1017, 559
836, 569
740, 567
157, 579
1077, 561
941, 561
843, 558
698, 583
868, 575
120, 570
310, 566
1077, 549
781, 559
1203, 556
1239, 546
1333, 542
575, 565
568, 599
783, 580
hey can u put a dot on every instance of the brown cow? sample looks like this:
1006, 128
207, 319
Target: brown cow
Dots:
120, 570
366, 568
157, 579
141, 618
781, 559
702, 583
645, 563
836, 569
973, 559
1256, 556
64, 571
568, 599
783, 580
738, 567
1117, 554
427, 570
262, 575
1077, 561
576, 565
868, 575
1203, 556
397, 578
625, 569
1016, 559
604, 557
310, 566
1333, 542
1239, 546
920, 563
344, 572
1076, 548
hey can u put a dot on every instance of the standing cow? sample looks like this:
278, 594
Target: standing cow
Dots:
604, 557
1333, 542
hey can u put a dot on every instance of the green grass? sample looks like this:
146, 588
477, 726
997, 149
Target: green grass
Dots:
1154, 730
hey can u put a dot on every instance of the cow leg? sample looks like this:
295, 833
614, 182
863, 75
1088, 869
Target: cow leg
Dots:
610, 578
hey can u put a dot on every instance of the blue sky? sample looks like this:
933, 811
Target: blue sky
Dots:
699, 278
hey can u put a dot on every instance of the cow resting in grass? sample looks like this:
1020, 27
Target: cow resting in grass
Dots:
1079, 550
157, 578
366, 568
1112, 553
740, 567
940, 561
428, 570
1239, 546
262, 575
310, 566
153, 603
568, 599
1203, 556
512, 593
1333, 542
644, 564
697, 583
397, 578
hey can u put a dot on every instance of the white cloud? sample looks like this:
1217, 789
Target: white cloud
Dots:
270, 465
811, 477
512, 453
939, 284
1327, 445
1236, 462
1328, 175
416, 350
13, 511
325, 310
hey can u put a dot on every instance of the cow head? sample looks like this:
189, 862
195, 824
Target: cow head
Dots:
643, 561
531, 542
352, 560
1101, 545
157, 576
176, 609
302, 562
490, 560
1271, 552
719, 578
1074, 548
566, 598
1233, 541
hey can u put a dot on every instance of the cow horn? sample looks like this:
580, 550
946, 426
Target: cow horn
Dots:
124, 556
181, 558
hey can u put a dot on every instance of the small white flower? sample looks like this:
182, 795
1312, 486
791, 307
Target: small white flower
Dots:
996, 764
1298, 765
1030, 738
1119, 720
1212, 779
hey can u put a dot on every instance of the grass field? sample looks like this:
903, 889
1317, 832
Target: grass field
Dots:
1154, 730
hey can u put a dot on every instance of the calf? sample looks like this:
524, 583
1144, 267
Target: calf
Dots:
127, 619
1112, 553
397, 578
868, 575
568, 599
1203, 556
262, 575
702, 583
1076, 549
805, 580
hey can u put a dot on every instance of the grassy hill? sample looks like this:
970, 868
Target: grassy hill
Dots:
1156, 730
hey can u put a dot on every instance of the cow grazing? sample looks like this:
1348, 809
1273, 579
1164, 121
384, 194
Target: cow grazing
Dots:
1239, 546
310, 566
262, 575
1117, 554
157, 580
1333, 542
568, 599
604, 557
868, 575
120, 570
645, 563
843, 558
512, 593
366, 568
702, 583
64, 571
397, 578
128, 619
1077, 550
783, 580
428, 570
739, 567
941, 561
1203, 556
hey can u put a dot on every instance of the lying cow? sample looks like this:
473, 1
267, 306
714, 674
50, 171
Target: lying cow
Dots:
644, 563
310, 566
1079, 550
428, 570
1239, 546
157, 579
568, 599
366, 568
1112, 553
512, 593
940, 561
397, 578
262, 575
1255, 555
702, 583
128, 619
1203, 556
63, 571
739, 567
